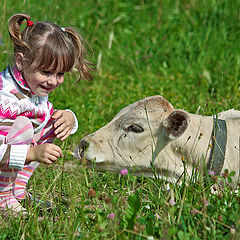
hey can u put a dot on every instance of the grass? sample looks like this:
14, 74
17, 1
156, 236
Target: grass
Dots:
185, 50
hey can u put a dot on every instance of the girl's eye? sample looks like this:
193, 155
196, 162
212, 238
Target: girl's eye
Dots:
135, 128
46, 72
60, 74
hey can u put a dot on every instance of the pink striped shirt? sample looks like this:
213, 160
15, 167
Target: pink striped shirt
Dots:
16, 99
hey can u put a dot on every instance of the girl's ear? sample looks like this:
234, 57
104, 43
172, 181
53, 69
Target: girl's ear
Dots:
19, 60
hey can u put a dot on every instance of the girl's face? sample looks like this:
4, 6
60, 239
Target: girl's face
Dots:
42, 83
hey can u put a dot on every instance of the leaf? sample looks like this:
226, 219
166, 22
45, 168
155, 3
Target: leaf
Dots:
134, 205
231, 174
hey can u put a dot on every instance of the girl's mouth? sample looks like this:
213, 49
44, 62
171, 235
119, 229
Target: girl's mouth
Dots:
45, 88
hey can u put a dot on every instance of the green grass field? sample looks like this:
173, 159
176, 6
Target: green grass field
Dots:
188, 51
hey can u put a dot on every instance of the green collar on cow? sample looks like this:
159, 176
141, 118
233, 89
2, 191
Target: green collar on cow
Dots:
219, 142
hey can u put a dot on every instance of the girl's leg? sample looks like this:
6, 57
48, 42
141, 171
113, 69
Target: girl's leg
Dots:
21, 132
7, 199
19, 186
45, 136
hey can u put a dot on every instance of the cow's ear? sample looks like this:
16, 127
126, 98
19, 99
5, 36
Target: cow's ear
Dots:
175, 124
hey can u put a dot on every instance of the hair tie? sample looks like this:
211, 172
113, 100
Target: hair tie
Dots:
29, 23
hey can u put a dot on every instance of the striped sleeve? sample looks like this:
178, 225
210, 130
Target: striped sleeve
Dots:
12, 156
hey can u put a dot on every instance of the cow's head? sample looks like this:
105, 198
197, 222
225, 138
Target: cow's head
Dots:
135, 137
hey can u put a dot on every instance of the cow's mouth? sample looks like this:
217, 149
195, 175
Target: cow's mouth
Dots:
79, 154
80, 149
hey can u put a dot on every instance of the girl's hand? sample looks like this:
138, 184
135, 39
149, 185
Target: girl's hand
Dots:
64, 123
44, 153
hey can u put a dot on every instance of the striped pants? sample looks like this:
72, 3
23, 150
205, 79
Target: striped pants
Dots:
13, 182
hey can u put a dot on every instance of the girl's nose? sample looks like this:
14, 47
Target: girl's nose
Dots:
52, 80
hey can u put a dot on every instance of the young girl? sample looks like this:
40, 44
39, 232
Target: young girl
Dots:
43, 52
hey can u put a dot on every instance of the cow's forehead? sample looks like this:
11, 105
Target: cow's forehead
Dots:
153, 103
149, 104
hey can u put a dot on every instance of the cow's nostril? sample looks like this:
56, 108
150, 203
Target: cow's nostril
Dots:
83, 144
82, 147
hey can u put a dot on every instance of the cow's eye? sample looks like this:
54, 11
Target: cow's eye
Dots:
135, 128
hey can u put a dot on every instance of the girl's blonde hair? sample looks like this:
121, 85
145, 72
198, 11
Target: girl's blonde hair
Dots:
47, 47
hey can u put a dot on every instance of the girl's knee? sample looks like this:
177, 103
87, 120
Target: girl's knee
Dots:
21, 120
21, 131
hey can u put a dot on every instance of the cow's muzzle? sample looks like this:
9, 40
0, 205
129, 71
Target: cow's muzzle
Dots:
80, 149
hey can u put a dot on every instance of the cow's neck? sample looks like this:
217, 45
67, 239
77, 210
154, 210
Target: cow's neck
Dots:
192, 146
194, 143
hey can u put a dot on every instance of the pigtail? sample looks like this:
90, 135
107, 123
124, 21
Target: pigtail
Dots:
81, 64
14, 24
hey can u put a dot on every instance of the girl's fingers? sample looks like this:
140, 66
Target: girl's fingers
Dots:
57, 114
52, 157
59, 122
47, 161
55, 151
66, 136
61, 127
62, 133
